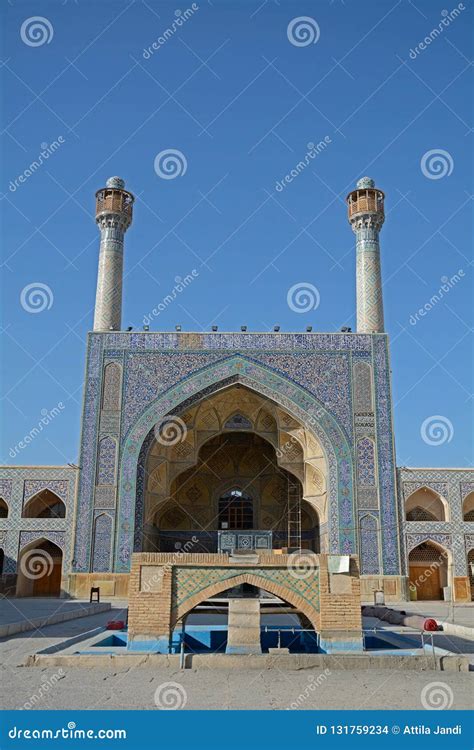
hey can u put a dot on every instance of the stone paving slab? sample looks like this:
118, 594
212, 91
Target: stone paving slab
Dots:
24, 614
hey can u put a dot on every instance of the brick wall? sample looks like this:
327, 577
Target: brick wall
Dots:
330, 602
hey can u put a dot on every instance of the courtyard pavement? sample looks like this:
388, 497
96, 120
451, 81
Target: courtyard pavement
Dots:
39, 688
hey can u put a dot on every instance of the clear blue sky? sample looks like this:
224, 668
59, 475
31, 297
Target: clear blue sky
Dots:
241, 102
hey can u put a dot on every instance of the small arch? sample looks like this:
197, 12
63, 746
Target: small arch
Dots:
426, 501
238, 421
470, 570
428, 571
45, 504
468, 507
40, 569
265, 584
3, 508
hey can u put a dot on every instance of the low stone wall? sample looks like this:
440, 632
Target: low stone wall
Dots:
112, 585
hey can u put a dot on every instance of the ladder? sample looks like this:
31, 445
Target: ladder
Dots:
294, 513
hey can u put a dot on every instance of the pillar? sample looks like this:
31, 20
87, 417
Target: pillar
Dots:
114, 209
366, 216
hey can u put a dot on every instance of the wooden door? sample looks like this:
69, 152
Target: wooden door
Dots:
426, 580
49, 585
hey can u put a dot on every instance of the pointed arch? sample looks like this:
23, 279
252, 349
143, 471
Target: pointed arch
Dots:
283, 392
40, 563
468, 507
291, 597
4, 510
44, 504
426, 499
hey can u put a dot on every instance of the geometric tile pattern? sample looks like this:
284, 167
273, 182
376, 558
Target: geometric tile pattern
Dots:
365, 462
22, 483
309, 374
189, 581
453, 485
102, 543
106, 461
369, 545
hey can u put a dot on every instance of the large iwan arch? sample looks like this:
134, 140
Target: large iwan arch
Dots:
296, 400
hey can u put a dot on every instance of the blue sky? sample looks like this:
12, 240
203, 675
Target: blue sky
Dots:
240, 101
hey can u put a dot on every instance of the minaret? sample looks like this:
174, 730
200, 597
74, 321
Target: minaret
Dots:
114, 209
366, 216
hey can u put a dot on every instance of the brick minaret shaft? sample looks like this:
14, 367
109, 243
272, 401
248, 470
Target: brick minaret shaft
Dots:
114, 209
366, 216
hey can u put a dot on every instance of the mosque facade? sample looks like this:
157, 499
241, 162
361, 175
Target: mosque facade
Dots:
207, 443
